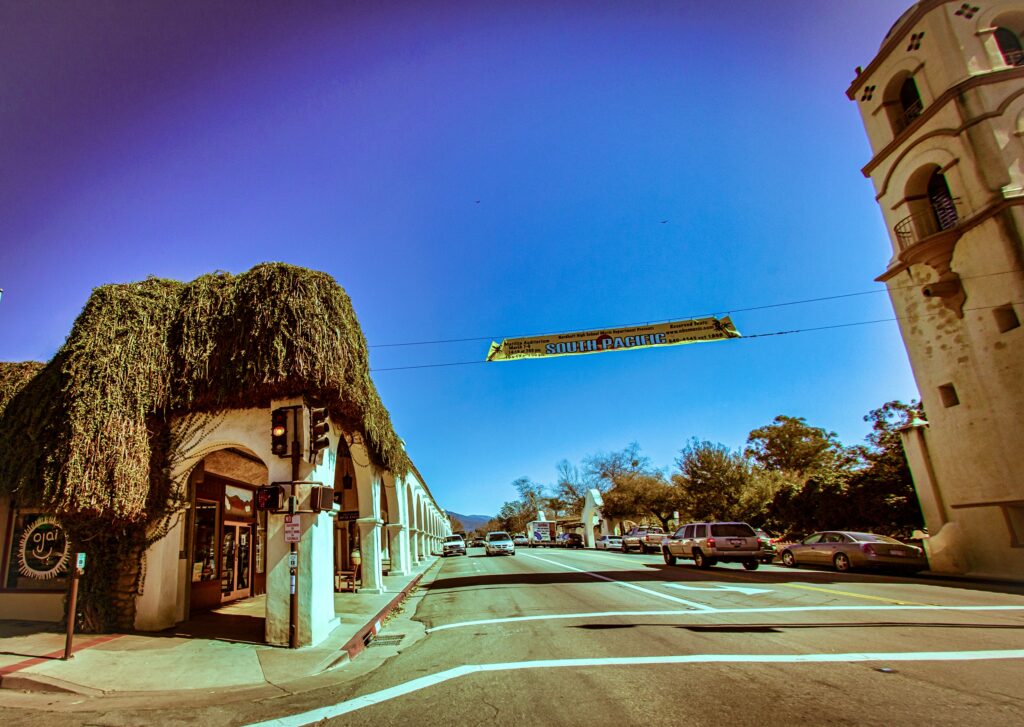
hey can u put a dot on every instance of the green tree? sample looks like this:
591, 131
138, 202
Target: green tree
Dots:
883, 489
603, 470
711, 480
790, 445
653, 494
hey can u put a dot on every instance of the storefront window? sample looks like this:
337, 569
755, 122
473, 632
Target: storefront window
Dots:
38, 554
204, 554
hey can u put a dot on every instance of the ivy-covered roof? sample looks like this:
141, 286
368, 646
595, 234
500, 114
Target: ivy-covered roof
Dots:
87, 433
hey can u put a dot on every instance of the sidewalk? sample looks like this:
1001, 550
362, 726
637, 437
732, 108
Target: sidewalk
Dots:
212, 651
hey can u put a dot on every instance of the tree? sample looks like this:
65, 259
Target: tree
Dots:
572, 486
652, 494
711, 480
457, 526
788, 444
883, 489
604, 469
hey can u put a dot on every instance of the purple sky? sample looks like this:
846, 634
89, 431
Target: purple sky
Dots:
177, 138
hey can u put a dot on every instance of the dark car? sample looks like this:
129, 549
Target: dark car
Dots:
571, 540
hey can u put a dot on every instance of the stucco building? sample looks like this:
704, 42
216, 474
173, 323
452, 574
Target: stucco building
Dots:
144, 441
943, 107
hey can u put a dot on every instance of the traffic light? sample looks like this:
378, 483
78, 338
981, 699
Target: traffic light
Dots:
270, 497
279, 432
318, 428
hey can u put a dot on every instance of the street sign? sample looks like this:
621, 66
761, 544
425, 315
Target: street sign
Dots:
293, 560
80, 562
292, 529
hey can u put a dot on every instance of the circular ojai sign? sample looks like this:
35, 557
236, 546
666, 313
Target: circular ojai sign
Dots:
44, 550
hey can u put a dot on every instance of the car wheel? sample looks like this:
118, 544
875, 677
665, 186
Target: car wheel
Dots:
788, 559
699, 560
669, 558
842, 562
624, 548
751, 564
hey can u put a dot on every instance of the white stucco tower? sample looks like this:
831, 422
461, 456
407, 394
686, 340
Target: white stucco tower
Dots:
943, 106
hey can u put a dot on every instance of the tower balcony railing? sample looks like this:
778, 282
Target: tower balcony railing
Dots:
906, 116
941, 215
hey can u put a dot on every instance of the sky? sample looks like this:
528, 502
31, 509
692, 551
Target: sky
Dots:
475, 171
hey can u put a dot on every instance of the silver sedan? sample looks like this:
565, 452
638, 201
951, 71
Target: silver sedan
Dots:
845, 550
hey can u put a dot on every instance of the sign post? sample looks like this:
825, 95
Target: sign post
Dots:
72, 604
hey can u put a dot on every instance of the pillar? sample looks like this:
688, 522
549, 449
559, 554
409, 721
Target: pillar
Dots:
398, 542
370, 550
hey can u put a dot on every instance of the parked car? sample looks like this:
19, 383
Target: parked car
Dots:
768, 548
453, 545
520, 540
710, 543
645, 540
845, 550
608, 542
570, 540
499, 543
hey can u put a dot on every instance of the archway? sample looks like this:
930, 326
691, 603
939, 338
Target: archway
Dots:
225, 535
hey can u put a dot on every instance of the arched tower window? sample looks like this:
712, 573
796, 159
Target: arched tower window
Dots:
910, 101
941, 201
902, 102
1010, 46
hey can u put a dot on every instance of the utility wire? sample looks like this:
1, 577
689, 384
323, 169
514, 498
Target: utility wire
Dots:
728, 311
741, 338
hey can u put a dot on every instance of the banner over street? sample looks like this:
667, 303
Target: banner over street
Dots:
673, 333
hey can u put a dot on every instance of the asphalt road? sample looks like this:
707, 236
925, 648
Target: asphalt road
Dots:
558, 637
555, 637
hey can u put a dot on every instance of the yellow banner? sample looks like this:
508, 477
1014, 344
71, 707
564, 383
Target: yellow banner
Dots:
674, 333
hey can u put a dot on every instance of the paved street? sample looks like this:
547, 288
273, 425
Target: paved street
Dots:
585, 637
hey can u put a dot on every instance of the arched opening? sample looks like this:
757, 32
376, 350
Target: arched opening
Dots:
902, 102
226, 536
941, 200
1009, 46
347, 555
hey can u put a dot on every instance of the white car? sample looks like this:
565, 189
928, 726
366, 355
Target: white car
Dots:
609, 542
499, 543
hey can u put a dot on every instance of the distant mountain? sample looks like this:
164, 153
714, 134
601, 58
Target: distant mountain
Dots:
471, 522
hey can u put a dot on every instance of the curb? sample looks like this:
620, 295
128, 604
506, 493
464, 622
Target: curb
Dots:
365, 635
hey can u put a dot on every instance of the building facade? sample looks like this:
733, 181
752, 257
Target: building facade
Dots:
148, 457
943, 107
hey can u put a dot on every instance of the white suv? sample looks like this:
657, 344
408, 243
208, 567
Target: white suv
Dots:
499, 543
711, 543
453, 545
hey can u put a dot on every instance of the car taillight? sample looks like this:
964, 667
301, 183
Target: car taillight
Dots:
868, 550
711, 542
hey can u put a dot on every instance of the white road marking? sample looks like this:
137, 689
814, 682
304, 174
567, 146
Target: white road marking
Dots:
740, 589
714, 611
648, 591
400, 690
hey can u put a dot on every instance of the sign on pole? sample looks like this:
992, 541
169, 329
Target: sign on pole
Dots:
292, 529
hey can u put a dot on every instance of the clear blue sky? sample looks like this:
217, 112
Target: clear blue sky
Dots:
176, 138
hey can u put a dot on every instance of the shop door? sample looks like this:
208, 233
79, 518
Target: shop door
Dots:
236, 561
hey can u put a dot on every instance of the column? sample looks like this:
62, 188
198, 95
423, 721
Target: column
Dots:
369, 544
399, 547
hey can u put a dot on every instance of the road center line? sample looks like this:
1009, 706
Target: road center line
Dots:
852, 595
713, 611
648, 591
415, 685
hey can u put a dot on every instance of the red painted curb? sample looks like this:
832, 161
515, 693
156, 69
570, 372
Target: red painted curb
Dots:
363, 637
6, 670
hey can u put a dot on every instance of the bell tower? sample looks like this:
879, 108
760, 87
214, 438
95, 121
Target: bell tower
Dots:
943, 106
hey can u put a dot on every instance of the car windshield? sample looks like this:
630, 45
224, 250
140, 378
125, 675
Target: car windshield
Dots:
498, 537
732, 530
453, 539
873, 538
